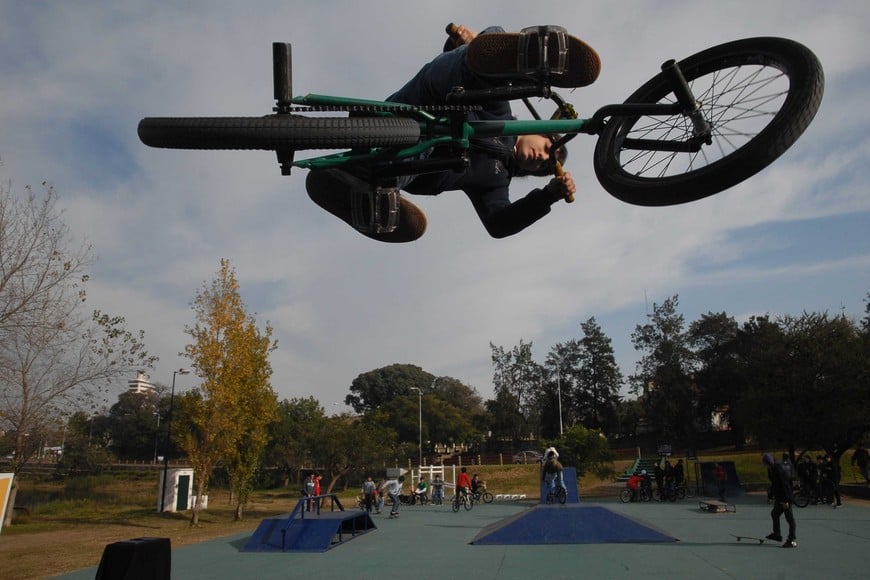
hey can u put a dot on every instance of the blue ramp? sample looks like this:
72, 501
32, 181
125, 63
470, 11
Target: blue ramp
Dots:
313, 533
569, 475
575, 524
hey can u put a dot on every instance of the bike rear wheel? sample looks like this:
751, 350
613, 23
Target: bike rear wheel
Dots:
455, 504
758, 95
277, 132
802, 497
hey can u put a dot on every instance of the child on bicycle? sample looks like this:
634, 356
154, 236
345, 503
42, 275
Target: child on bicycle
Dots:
463, 482
552, 470
493, 163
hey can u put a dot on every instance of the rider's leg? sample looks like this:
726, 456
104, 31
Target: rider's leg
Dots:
335, 191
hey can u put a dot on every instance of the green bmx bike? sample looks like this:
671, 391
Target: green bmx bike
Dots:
696, 128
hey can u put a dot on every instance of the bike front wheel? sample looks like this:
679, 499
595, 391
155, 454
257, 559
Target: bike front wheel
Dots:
625, 495
468, 503
757, 94
487, 497
801, 498
277, 132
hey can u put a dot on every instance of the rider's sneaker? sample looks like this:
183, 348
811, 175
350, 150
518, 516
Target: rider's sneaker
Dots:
497, 54
774, 537
332, 189
790, 543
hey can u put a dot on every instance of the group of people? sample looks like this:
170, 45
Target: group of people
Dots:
311, 489
374, 494
810, 474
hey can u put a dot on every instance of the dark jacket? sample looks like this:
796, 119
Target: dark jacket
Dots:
780, 484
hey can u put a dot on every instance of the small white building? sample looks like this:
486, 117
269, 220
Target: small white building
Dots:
141, 384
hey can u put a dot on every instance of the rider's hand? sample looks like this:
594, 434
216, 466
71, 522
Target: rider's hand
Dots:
562, 186
462, 35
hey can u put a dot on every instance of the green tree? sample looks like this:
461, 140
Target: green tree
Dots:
585, 449
133, 426
226, 420
810, 385
719, 376
516, 376
372, 389
291, 436
598, 379
663, 373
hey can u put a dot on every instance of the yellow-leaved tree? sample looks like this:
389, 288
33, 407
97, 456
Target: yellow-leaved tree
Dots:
225, 421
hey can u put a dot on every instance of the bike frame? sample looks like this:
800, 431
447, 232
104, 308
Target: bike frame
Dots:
457, 131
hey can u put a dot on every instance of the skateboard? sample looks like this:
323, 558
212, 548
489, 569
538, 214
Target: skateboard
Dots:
759, 540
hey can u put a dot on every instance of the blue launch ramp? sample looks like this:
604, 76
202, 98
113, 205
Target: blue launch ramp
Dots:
302, 531
568, 524
569, 476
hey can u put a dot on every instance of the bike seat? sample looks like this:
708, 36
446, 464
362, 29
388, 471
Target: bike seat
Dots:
541, 54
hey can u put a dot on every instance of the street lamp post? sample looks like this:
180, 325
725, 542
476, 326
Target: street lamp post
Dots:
168, 438
559, 392
156, 436
420, 426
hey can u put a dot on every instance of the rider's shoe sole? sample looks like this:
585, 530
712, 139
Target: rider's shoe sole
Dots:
331, 190
496, 55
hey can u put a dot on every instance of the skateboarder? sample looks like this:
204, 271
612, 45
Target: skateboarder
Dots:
780, 487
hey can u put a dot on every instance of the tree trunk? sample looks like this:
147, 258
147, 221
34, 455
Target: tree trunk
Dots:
10, 507
200, 489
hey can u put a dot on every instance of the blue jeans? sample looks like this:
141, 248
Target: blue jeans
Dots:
552, 478
395, 499
434, 81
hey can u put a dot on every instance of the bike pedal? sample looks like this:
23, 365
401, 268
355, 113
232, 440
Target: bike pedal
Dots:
375, 211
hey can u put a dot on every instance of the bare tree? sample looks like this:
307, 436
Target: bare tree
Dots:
54, 356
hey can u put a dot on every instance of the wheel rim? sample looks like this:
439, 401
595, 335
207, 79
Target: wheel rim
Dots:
739, 102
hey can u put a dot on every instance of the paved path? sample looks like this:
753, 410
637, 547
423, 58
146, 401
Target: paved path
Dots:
433, 542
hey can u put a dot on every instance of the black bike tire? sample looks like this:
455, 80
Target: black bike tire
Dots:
455, 504
563, 496
801, 498
487, 497
278, 132
806, 87
468, 504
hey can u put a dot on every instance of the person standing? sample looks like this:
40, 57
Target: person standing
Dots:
368, 491
833, 473
861, 459
780, 487
393, 487
720, 475
437, 490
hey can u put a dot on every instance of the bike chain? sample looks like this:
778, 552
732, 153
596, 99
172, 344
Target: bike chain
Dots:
382, 109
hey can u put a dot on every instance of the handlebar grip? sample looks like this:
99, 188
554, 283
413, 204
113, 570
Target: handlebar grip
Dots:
559, 173
451, 29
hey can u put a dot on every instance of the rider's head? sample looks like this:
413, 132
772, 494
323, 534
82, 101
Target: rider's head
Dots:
532, 154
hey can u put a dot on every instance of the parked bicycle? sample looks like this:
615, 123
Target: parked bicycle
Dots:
818, 493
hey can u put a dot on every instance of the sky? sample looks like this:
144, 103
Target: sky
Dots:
76, 78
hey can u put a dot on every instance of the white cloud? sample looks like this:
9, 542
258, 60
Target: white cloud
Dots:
81, 76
